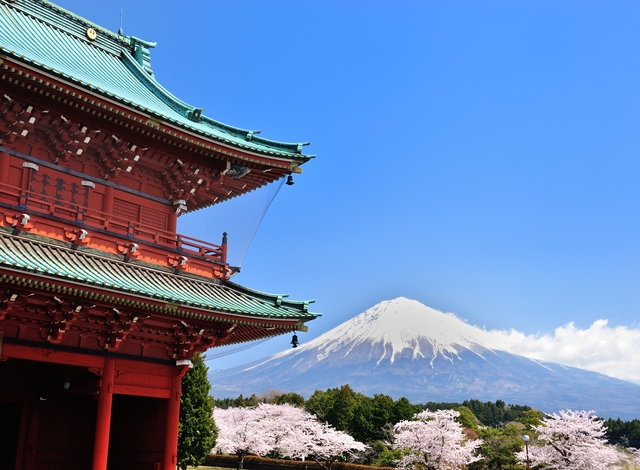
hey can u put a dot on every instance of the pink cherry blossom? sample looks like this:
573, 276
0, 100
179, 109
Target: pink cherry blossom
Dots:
283, 430
435, 441
572, 440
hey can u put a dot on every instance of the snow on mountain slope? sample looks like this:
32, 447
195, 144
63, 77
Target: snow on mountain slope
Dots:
393, 327
401, 324
403, 348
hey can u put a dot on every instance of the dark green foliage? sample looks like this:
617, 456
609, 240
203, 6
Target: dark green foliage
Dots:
335, 406
499, 448
433, 406
530, 419
319, 404
385, 457
366, 419
626, 433
515, 412
225, 403
467, 419
372, 417
488, 413
404, 410
252, 400
291, 398
241, 402
198, 431
340, 414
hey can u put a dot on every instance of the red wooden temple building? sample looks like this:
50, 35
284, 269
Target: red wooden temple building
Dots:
102, 303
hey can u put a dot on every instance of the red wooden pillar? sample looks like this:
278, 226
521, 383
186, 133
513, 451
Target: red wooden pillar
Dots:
4, 167
172, 226
103, 418
224, 247
107, 201
173, 419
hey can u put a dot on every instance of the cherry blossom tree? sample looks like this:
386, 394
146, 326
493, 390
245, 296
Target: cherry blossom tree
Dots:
320, 442
241, 432
630, 457
572, 440
435, 441
284, 430
283, 426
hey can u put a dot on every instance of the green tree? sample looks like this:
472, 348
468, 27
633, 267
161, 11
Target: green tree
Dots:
239, 402
626, 433
467, 419
319, 404
252, 400
362, 426
341, 411
499, 448
530, 419
385, 457
403, 410
291, 398
198, 431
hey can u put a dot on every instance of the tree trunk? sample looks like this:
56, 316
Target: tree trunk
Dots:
240, 461
323, 464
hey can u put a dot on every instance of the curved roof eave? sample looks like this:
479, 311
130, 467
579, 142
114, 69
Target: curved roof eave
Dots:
35, 32
138, 283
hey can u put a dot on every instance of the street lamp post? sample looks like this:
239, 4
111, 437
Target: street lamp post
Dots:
526, 438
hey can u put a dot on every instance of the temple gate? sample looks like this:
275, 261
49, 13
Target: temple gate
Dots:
102, 303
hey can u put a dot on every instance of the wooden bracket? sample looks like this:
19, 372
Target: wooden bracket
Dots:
121, 324
18, 221
128, 249
64, 314
77, 235
177, 261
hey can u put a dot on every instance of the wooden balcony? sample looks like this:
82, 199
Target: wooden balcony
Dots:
78, 224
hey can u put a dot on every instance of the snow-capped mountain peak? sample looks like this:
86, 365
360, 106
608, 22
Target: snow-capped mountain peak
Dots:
397, 326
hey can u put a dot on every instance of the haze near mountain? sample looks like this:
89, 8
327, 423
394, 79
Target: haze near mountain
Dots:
403, 348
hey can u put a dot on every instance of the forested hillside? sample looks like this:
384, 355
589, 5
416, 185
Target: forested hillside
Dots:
371, 420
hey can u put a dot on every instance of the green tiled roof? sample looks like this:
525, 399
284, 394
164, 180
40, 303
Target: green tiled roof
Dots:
55, 40
54, 262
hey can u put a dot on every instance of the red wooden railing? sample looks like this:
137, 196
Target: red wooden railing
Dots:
39, 204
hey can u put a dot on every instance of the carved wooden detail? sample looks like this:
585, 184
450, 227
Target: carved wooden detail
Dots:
117, 155
190, 338
67, 138
63, 320
63, 313
7, 302
223, 334
15, 119
120, 324
182, 180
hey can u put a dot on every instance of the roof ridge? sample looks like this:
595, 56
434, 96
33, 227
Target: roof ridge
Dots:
35, 31
60, 13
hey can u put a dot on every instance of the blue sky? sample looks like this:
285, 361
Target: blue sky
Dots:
480, 157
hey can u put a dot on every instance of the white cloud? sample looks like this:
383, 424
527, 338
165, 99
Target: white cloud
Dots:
613, 351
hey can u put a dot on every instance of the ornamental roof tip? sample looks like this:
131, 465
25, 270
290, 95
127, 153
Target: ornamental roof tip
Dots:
117, 66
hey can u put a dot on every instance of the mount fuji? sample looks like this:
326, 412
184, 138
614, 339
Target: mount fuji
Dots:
403, 348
